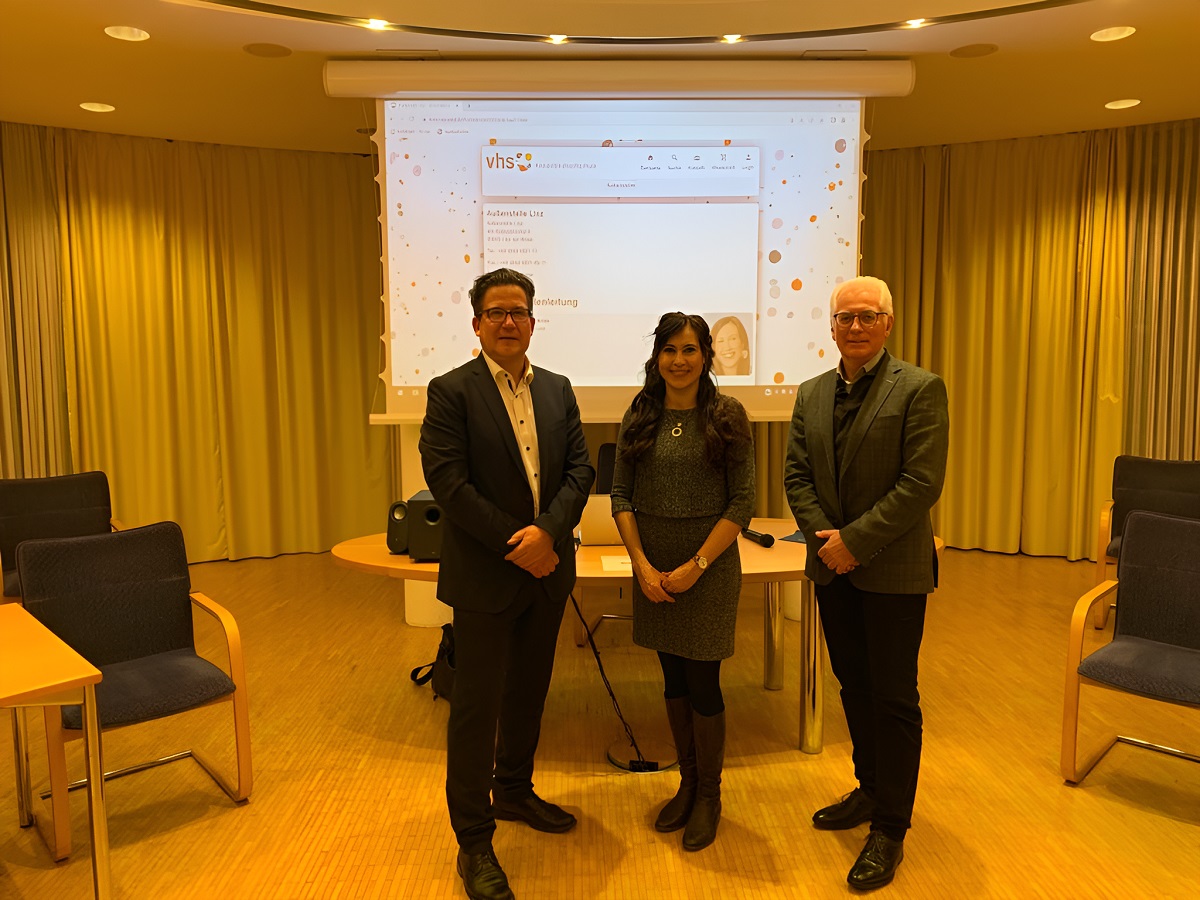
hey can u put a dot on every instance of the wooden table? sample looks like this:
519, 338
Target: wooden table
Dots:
770, 567
39, 669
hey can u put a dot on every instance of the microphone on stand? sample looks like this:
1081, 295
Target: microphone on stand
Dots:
763, 540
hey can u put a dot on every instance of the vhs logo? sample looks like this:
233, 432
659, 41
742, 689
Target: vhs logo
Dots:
520, 161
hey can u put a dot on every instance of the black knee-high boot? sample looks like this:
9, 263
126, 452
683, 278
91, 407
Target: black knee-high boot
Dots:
674, 815
709, 732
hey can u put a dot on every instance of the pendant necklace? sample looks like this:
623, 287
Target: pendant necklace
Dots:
678, 429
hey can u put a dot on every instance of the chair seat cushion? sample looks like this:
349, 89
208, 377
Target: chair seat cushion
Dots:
1149, 668
151, 687
1114, 547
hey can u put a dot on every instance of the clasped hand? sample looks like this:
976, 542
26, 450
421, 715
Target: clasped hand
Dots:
534, 551
835, 554
682, 578
651, 581
659, 586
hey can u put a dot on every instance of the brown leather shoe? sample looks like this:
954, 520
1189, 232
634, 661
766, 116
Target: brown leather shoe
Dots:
482, 876
534, 812
853, 809
878, 862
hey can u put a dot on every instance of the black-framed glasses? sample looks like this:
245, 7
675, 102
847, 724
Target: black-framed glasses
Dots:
497, 316
866, 318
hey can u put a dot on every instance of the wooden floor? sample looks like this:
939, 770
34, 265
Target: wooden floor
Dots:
348, 797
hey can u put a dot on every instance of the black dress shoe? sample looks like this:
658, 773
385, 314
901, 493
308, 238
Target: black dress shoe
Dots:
534, 812
482, 876
853, 809
878, 862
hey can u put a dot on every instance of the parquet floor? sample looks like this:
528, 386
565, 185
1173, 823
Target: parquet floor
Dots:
348, 798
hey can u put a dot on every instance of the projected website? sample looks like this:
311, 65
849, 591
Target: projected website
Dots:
742, 211
552, 236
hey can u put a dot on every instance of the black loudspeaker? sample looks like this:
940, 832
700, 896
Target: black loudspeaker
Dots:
397, 531
424, 527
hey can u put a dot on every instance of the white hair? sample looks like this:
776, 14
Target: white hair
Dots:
885, 294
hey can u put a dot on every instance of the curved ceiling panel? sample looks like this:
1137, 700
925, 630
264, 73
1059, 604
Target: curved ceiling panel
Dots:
633, 21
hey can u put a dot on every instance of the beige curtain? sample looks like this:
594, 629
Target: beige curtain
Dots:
1163, 413
1007, 260
223, 318
33, 392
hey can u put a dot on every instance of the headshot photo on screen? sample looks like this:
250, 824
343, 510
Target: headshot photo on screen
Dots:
731, 346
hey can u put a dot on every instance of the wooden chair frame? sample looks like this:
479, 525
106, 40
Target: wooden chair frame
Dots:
58, 834
1103, 560
1072, 770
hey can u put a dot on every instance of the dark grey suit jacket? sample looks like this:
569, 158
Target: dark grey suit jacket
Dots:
889, 479
473, 467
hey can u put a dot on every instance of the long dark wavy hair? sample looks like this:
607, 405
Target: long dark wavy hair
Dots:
725, 426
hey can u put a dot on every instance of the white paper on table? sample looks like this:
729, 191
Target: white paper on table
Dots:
616, 564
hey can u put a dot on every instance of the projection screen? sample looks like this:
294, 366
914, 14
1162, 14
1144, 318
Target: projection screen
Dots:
623, 190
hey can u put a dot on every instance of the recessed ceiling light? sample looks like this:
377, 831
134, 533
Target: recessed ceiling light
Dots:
127, 33
97, 107
914, 23
1113, 34
377, 24
973, 51
557, 38
268, 51
731, 38
1121, 104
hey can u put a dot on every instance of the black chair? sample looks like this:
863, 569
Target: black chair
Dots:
606, 462
1155, 648
59, 506
1155, 485
122, 601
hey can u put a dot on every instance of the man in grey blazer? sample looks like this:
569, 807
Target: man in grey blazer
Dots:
866, 461
503, 452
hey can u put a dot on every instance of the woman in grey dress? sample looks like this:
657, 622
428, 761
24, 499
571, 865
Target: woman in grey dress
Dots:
682, 490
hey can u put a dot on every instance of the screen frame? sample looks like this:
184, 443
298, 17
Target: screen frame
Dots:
635, 79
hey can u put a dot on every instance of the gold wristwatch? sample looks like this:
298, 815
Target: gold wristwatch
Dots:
700, 561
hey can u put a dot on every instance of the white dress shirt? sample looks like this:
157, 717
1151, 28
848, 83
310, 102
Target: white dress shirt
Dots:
519, 402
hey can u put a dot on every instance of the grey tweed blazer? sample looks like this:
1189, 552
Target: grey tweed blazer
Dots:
889, 479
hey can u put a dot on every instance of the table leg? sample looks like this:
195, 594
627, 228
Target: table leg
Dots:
772, 636
97, 816
812, 672
21, 760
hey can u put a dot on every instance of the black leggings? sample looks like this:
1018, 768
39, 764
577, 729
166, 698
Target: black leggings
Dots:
697, 679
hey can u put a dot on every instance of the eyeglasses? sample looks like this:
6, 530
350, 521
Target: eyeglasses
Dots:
497, 316
866, 318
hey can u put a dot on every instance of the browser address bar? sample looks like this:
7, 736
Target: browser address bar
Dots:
626, 117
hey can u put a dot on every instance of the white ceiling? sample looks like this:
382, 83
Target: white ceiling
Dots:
194, 81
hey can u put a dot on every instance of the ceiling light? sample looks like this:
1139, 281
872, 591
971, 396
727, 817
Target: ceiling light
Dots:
557, 38
731, 38
1113, 34
268, 51
127, 33
377, 24
97, 107
973, 51
914, 23
1121, 104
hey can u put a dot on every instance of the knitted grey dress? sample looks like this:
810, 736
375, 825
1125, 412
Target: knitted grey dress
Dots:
677, 497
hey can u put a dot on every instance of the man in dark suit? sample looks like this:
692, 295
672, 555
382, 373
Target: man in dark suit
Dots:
866, 461
503, 452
